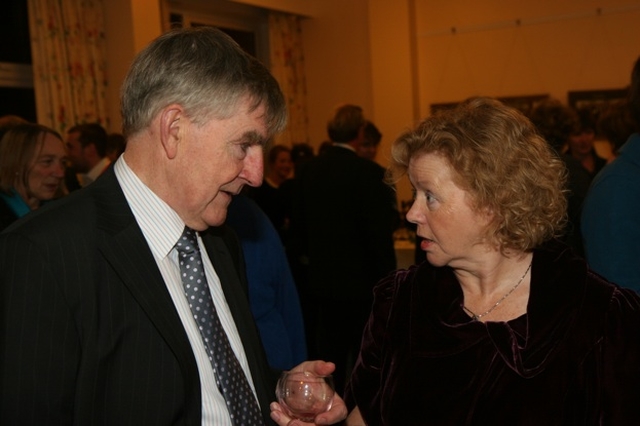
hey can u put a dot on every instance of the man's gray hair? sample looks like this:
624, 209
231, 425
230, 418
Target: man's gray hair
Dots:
203, 70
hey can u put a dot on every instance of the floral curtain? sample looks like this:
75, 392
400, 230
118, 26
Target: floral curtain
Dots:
287, 66
68, 54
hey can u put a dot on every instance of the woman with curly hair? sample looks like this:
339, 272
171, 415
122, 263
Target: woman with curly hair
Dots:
502, 324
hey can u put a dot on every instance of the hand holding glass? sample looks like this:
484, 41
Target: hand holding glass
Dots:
304, 394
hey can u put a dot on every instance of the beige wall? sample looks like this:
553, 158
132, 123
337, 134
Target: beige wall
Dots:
129, 26
395, 80
337, 61
558, 46
517, 48
396, 58
298, 7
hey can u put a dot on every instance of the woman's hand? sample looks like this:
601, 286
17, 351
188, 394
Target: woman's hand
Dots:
336, 414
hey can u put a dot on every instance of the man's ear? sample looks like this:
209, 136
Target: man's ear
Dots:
171, 130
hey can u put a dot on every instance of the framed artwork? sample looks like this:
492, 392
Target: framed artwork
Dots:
435, 108
595, 98
524, 104
595, 101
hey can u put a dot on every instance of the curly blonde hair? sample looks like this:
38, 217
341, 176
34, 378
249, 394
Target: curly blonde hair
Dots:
501, 160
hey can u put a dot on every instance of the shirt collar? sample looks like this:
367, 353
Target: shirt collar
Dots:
97, 169
149, 211
344, 145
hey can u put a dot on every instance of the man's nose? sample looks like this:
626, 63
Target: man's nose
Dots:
253, 169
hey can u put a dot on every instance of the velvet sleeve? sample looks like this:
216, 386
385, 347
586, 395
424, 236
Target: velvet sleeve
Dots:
364, 388
621, 360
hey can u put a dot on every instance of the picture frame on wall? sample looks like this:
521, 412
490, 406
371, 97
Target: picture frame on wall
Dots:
524, 104
595, 101
595, 98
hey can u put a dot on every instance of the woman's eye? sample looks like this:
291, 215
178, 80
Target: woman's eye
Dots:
430, 198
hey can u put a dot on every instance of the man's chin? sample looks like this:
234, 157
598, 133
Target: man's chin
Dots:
215, 219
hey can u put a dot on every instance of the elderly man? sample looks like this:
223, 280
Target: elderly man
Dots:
126, 302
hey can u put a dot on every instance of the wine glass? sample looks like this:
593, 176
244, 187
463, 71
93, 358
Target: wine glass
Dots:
304, 394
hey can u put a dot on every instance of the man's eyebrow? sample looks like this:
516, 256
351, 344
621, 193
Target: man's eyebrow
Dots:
253, 137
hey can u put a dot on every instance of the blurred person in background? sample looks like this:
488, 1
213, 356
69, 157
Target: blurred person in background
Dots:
616, 124
611, 213
8, 121
87, 147
268, 195
115, 146
556, 123
272, 291
32, 166
343, 218
581, 143
369, 147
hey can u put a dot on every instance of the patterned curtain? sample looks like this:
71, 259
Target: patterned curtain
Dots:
287, 66
68, 53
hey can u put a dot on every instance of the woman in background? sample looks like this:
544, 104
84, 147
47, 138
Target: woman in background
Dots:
502, 324
32, 165
269, 197
581, 143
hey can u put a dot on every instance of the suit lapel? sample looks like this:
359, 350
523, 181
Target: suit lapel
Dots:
124, 247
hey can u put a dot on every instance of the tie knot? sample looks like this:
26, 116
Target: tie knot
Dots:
187, 243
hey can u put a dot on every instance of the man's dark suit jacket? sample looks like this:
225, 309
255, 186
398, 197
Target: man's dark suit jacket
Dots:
90, 334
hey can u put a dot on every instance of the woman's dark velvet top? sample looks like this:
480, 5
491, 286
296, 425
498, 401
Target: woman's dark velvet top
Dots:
573, 359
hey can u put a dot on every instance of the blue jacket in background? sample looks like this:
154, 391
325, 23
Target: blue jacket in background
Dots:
611, 218
272, 292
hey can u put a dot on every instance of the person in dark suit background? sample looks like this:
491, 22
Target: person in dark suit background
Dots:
372, 137
556, 122
96, 328
115, 145
344, 218
369, 149
581, 142
87, 147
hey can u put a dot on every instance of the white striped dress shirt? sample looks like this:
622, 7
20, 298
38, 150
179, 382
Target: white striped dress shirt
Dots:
162, 227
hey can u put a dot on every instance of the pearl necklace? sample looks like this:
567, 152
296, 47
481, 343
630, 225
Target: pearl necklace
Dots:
476, 317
